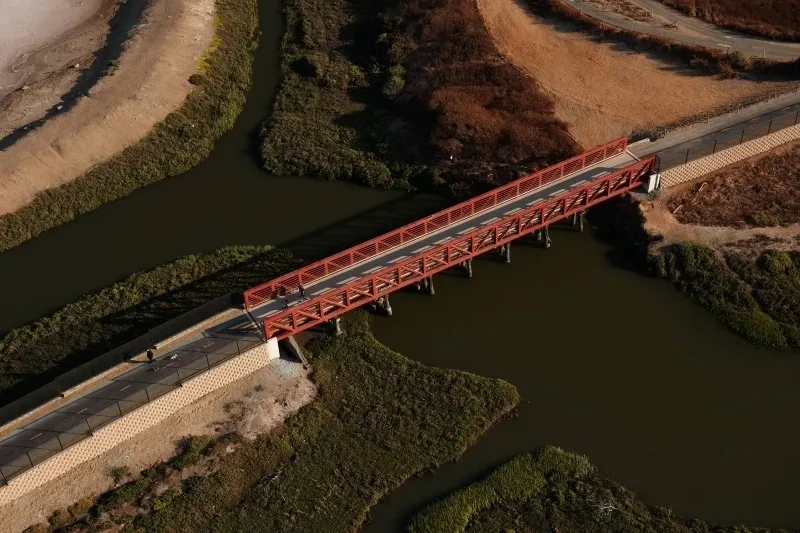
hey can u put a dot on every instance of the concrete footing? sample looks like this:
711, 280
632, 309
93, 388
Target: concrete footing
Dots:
336, 326
467, 266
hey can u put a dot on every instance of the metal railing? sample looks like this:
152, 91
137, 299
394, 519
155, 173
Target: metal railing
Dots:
77, 420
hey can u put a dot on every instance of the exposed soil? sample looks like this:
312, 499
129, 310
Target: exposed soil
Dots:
149, 81
604, 90
253, 405
775, 19
760, 192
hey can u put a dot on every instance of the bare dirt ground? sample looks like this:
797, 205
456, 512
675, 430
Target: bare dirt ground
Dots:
764, 191
41, 38
604, 90
150, 81
253, 405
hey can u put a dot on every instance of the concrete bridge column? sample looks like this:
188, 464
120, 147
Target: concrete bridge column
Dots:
431, 290
507, 253
546, 237
467, 265
383, 304
336, 324
577, 221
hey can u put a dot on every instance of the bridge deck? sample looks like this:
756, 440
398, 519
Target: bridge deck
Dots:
411, 248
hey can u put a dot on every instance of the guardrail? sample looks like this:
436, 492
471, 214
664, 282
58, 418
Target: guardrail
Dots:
325, 267
339, 300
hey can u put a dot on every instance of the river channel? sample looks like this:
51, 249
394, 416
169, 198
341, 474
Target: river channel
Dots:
609, 363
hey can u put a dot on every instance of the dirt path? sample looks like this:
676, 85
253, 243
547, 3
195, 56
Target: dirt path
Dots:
253, 405
150, 81
603, 90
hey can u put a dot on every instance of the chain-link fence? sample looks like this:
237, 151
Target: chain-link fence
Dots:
77, 420
728, 138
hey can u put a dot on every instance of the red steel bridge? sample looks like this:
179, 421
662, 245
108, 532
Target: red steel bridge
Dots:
369, 272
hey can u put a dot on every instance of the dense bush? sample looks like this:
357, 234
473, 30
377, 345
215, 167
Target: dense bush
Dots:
404, 93
758, 299
176, 144
552, 490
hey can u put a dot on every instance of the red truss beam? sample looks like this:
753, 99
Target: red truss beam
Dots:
307, 275
339, 300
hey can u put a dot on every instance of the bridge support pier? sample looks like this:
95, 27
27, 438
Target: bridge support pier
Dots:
336, 326
546, 237
429, 283
507, 254
577, 221
383, 304
467, 265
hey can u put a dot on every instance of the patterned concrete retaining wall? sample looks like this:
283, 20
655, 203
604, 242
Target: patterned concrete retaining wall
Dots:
139, 420
711, 163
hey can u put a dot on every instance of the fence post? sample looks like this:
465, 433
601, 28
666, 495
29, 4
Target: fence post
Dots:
796, 117
769, 130
687, 156
5, 481
742, 139
714, 151
28, 455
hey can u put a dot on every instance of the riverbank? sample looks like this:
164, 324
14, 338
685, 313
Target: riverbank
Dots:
404, 95
35, 354
553, 490
378, 419
183, 139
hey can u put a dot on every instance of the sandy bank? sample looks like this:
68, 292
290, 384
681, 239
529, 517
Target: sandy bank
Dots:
150, 81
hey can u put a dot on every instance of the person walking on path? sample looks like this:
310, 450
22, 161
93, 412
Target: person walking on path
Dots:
150, 356
302, 292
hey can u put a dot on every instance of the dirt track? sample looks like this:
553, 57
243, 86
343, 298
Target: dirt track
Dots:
150, 81
603, 90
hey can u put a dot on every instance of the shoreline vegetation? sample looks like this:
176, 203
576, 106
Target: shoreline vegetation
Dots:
35, 354
176, 144
378, 419
553, 490
404, 94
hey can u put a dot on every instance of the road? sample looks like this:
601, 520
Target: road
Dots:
692, 31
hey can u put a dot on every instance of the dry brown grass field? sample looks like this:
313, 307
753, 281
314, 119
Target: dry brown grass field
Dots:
776, 19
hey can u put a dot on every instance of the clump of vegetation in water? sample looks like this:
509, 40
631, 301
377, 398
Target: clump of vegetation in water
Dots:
378, 419
758, 298
34, 354
182, 140
552, 490
404, 93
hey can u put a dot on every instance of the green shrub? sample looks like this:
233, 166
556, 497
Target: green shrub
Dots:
395, 80
776, 262
118, 473
192, 449
180, 141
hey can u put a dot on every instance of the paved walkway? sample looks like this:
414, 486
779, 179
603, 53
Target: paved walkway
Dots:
699, 32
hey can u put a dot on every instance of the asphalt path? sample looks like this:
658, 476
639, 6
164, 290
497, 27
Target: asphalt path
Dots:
700, 33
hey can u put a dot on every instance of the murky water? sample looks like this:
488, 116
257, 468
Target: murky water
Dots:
609, 363
616, 366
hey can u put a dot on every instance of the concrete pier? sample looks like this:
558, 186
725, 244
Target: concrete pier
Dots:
291, 348
507, 253
431, 290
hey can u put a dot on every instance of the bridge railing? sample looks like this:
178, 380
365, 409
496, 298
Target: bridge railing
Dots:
340, 299
330, 265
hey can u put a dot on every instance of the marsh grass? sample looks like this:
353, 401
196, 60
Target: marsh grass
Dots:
552, 490
34, 354
378, 419
176, 144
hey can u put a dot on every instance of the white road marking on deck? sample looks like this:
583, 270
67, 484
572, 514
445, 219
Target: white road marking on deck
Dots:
442, 241
397, 260
82, 410
348, 280
270, 313
491, 220
125, 387
371, 270
578, 183
556, 192
462, 232
513, 211
600, 174
535, 201
317, 293
36, 436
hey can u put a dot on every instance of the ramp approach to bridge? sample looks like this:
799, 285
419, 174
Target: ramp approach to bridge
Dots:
369, 272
